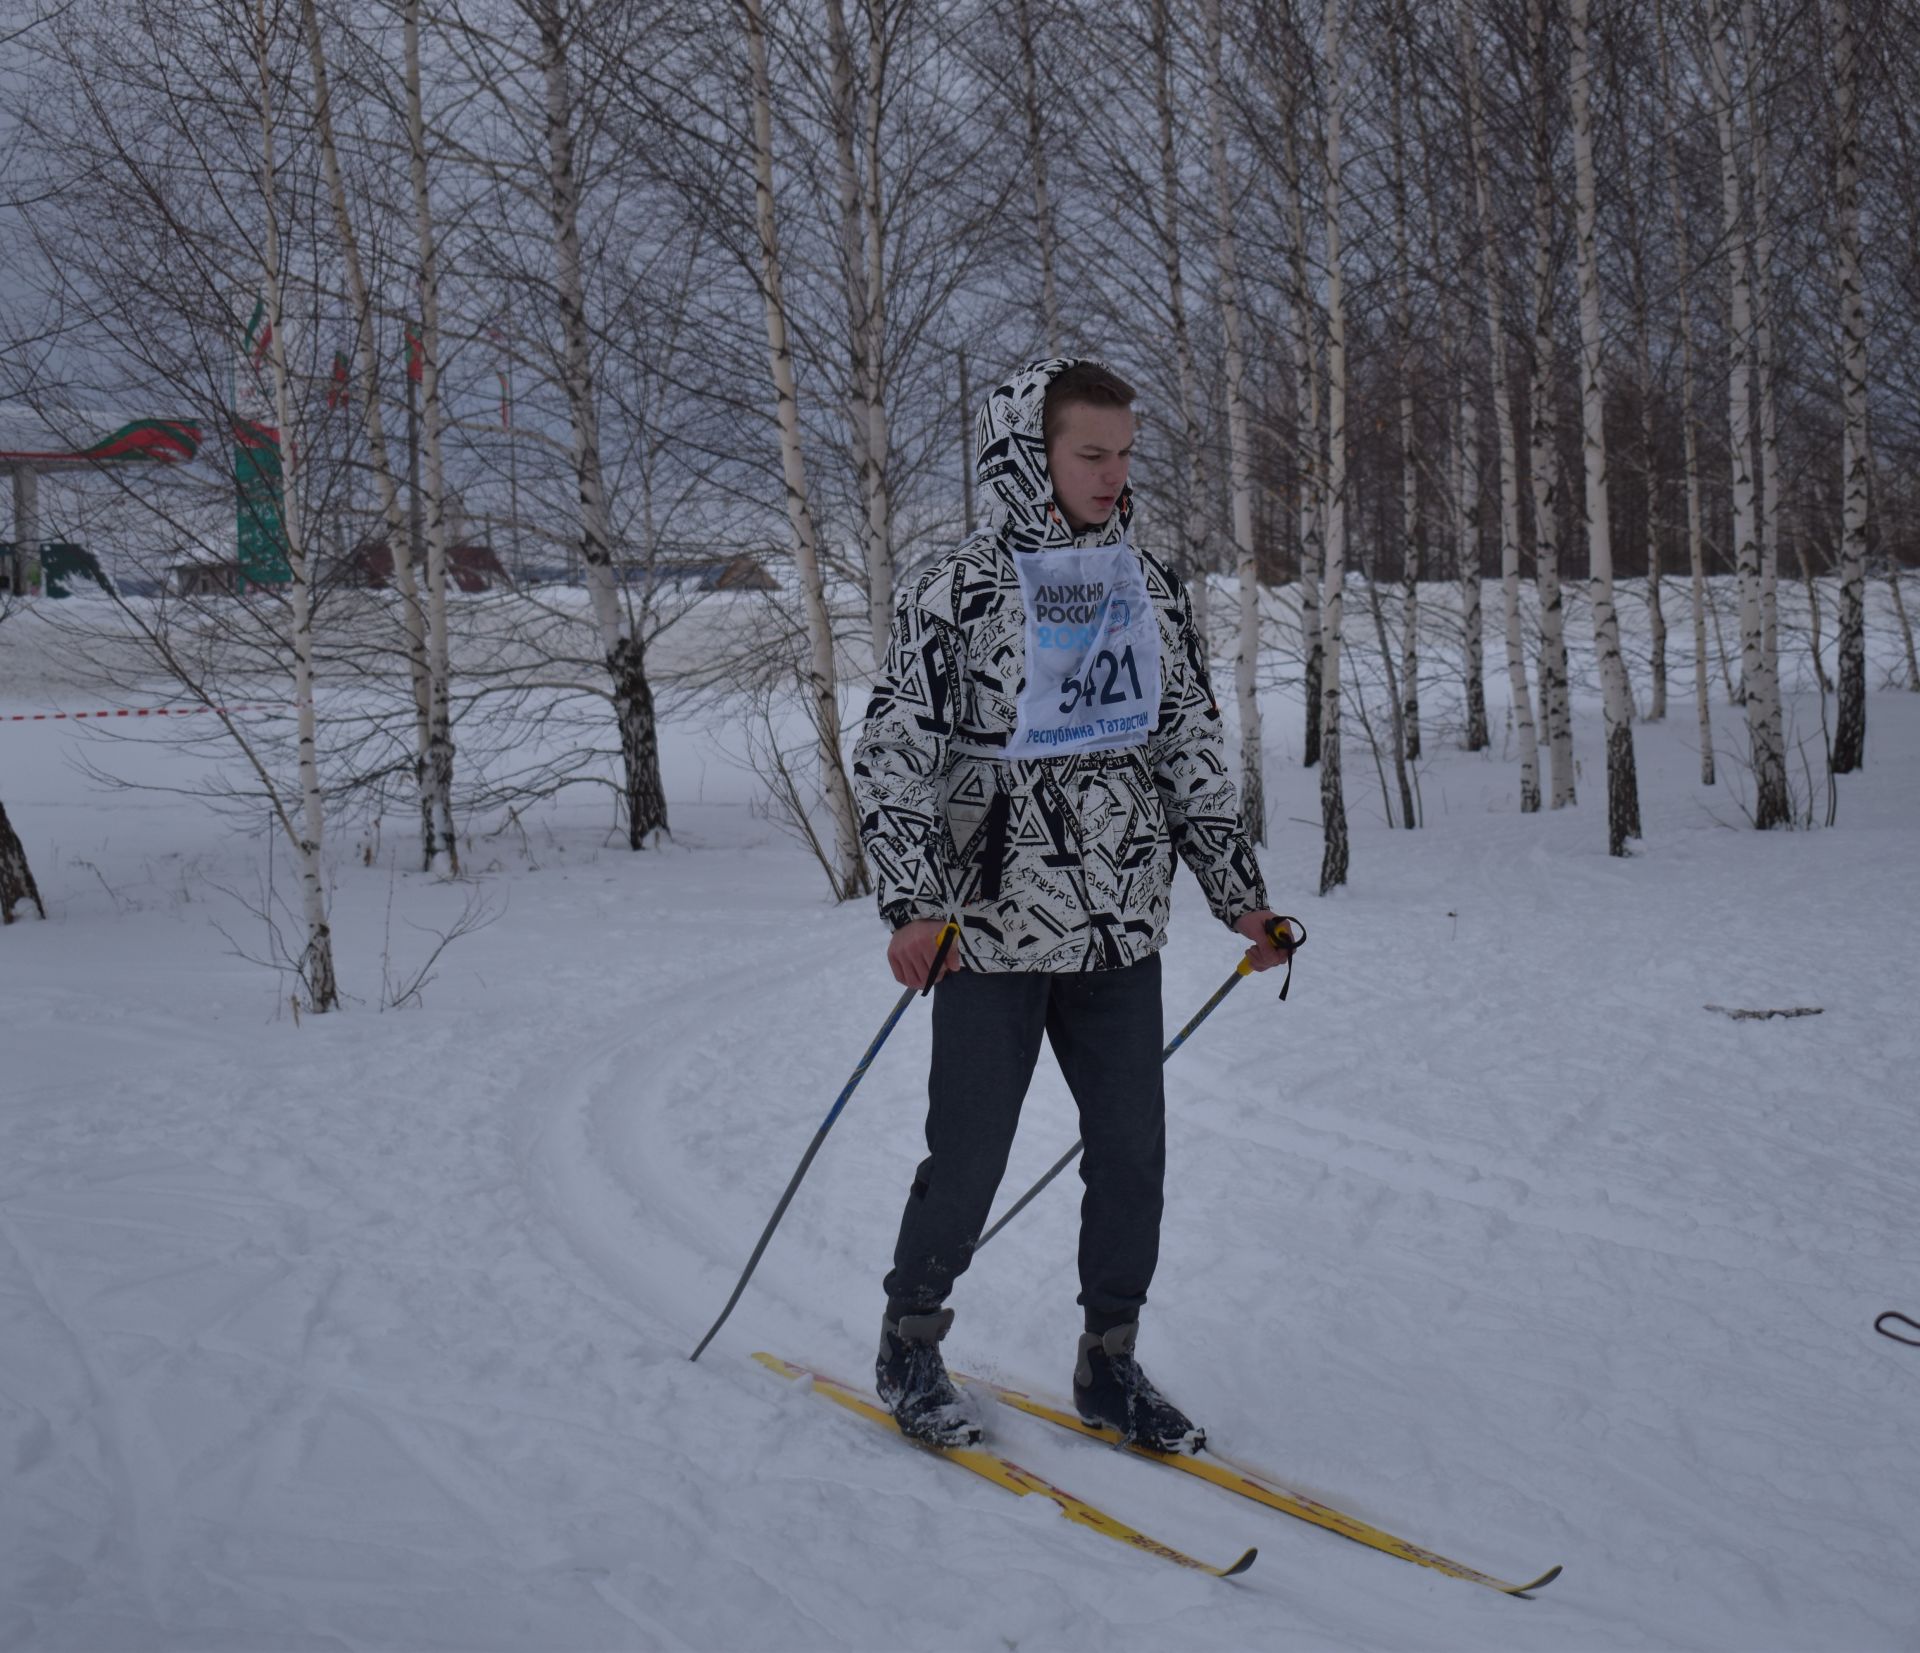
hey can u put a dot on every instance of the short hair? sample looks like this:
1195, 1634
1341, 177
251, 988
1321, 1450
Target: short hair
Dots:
1086, 383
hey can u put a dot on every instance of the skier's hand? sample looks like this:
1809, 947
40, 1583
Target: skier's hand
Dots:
1262, 955
910, 952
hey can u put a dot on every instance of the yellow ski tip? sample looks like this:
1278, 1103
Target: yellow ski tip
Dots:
1239, 1566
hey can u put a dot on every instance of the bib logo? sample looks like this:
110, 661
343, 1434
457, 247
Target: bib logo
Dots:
1069, 605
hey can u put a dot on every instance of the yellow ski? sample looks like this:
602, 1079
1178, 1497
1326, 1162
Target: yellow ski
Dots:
1003, 1472
1263, 1489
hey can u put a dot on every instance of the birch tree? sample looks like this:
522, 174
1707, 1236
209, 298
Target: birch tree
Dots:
1304, 341
1460, 463
861, 168
307, 830
1543, 437
1333, 808
1195, 558
1850, 727
1623, 796
1759, 145
1467, 540
1412, 534
373, 417
847, 871
440, 720
1503, 417
1641, 304
622, 648
1689, 422
1769, 767
1253, 807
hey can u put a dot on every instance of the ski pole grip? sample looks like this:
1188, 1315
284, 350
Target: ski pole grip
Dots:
1281, 932
1286, 935
948, 935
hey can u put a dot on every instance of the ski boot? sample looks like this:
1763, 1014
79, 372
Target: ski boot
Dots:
913, 1385
1113, 1393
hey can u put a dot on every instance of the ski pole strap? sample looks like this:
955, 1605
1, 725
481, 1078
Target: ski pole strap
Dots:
1881, 1326
1287, 935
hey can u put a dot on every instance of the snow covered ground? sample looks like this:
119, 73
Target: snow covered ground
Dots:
370, 1331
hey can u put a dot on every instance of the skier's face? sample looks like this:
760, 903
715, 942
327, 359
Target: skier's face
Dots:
1088, 455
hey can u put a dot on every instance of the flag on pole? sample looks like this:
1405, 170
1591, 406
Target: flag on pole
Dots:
337, 391
258, 334
257, 474
498, 336
416, 353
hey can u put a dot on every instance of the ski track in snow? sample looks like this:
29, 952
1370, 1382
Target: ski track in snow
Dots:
372, 1333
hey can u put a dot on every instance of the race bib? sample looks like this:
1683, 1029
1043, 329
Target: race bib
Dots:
1093, 653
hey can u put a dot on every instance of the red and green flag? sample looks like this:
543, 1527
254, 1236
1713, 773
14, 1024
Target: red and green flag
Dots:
337, 391
257, 336
259, 491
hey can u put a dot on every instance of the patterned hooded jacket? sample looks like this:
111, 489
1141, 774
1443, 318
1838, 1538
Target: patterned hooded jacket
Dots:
1052, 863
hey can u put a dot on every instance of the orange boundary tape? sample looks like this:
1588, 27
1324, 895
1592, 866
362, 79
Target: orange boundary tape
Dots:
144, 711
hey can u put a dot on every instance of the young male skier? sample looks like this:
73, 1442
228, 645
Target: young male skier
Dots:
1041, 739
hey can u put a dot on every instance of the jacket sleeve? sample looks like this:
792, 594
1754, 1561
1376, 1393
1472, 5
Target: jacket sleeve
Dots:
1188, 757
899, 761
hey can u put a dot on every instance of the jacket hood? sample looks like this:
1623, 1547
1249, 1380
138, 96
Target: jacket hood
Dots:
1010, 449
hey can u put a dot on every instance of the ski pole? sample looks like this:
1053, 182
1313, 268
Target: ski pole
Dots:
1276, 934
947, 935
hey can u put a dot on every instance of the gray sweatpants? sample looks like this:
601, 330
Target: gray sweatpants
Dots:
1105, 1030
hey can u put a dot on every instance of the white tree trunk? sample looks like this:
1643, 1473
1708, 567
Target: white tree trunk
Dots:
386, 483
439, 654
1641, 305
1307, 442
1253, 807
1543, 441
1503, 420
1466, 453
1333, 807
1690, 431
863, 275
848, 871
1194, 557
1775, 773
308, 834
876, 489
623, 651
1770, 807
1468, 543
1850, 730
1623, 793
1411, 532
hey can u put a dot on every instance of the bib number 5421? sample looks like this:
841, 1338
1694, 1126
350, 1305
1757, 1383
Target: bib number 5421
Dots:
1093, 690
